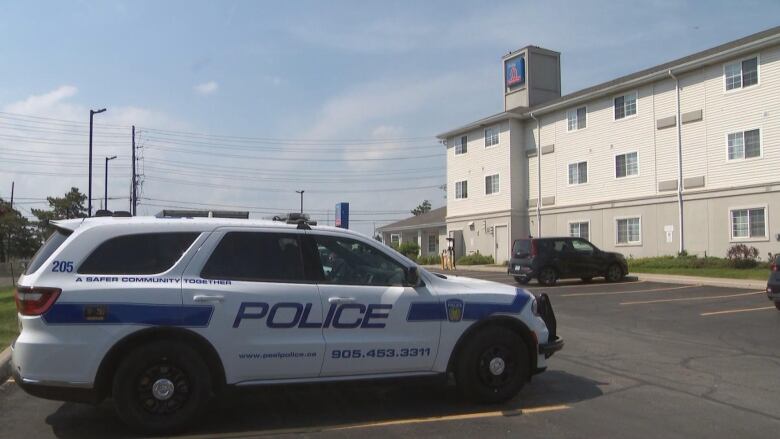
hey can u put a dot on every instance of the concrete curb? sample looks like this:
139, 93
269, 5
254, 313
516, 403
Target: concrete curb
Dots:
5, 364
751, 284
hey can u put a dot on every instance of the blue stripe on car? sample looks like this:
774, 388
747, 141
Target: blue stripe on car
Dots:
131, 314
427, 311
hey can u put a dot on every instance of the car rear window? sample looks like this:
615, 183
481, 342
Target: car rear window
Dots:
54, 242
143, 253
521, 247
256, 257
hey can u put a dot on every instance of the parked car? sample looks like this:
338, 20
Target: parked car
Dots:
160, 314
773, 284
550, 259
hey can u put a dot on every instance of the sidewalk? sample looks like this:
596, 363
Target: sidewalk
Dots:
666, 278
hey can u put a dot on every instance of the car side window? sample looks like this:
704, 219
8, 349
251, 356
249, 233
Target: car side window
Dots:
350, 262
582, 246
256, 257
143, 253
562, 246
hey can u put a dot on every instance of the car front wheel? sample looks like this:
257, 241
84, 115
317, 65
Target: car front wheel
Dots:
492, 366
161, 387
614, 273
547, 276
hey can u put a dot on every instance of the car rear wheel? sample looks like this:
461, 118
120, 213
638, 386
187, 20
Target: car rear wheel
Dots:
492, 366
522, 280
547, 276
614, 273
161, 387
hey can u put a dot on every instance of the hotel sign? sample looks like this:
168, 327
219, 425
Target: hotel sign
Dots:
515, 72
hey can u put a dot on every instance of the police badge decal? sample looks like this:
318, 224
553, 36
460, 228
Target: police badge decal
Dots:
454, 310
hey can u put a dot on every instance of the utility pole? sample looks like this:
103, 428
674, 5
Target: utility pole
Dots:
13, 183
105, 185
301, 192
92, 113
132, 198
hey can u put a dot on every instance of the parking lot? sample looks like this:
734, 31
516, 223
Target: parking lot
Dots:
642, 359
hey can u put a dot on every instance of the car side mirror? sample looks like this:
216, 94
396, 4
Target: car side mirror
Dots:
412, 276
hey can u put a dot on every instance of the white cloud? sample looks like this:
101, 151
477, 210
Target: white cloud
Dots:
44, 138
206, 88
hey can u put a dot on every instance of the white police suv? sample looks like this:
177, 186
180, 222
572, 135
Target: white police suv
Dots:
161, 314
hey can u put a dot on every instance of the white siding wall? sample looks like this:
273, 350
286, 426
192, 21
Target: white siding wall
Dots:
704, 142
473, 166
754, 107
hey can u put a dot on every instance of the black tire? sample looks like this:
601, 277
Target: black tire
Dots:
777, 305
614, 273
586, 280
137, 402
488, 351
522, 280
547, 276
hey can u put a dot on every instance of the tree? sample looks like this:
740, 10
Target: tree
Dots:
424, 207
67, 207
17, 235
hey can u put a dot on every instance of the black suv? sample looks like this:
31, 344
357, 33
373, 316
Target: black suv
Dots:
550, 259
773, 284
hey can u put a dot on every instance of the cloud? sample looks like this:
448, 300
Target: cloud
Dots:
44, 138
206, 88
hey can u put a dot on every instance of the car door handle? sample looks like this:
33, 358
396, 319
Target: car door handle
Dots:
339, 300
206, 298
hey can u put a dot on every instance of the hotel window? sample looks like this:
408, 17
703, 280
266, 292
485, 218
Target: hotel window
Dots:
625, 106
748, 223
461, 189
462, 146
744, 144
576, 119
491, 136
579, 230
741, 74
491, 184
433, 242
626, 165
629, 231
578, 173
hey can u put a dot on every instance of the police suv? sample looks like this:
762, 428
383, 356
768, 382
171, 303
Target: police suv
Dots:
160, 314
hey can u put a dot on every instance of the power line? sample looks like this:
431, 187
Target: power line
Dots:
282, 190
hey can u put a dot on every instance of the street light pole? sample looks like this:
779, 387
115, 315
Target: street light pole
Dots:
301, 192
91, 114
105, 185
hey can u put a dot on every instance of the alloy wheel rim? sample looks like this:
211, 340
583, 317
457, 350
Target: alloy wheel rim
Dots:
163, 389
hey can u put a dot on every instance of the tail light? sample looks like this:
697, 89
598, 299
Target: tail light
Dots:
773, 267
35, 301
533, 247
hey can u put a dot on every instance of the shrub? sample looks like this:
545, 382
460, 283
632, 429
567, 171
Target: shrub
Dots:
429, 260
409, 249
476, 259
742, 256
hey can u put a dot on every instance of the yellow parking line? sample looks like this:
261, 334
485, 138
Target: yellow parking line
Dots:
462, 417
320, 429
680, 299
731, 311
611, 293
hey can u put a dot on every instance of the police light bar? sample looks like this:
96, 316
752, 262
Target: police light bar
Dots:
171, 213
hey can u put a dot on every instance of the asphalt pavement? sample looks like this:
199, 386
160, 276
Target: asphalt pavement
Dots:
642, 360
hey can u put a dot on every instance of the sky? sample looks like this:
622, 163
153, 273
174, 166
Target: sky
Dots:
238, 104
